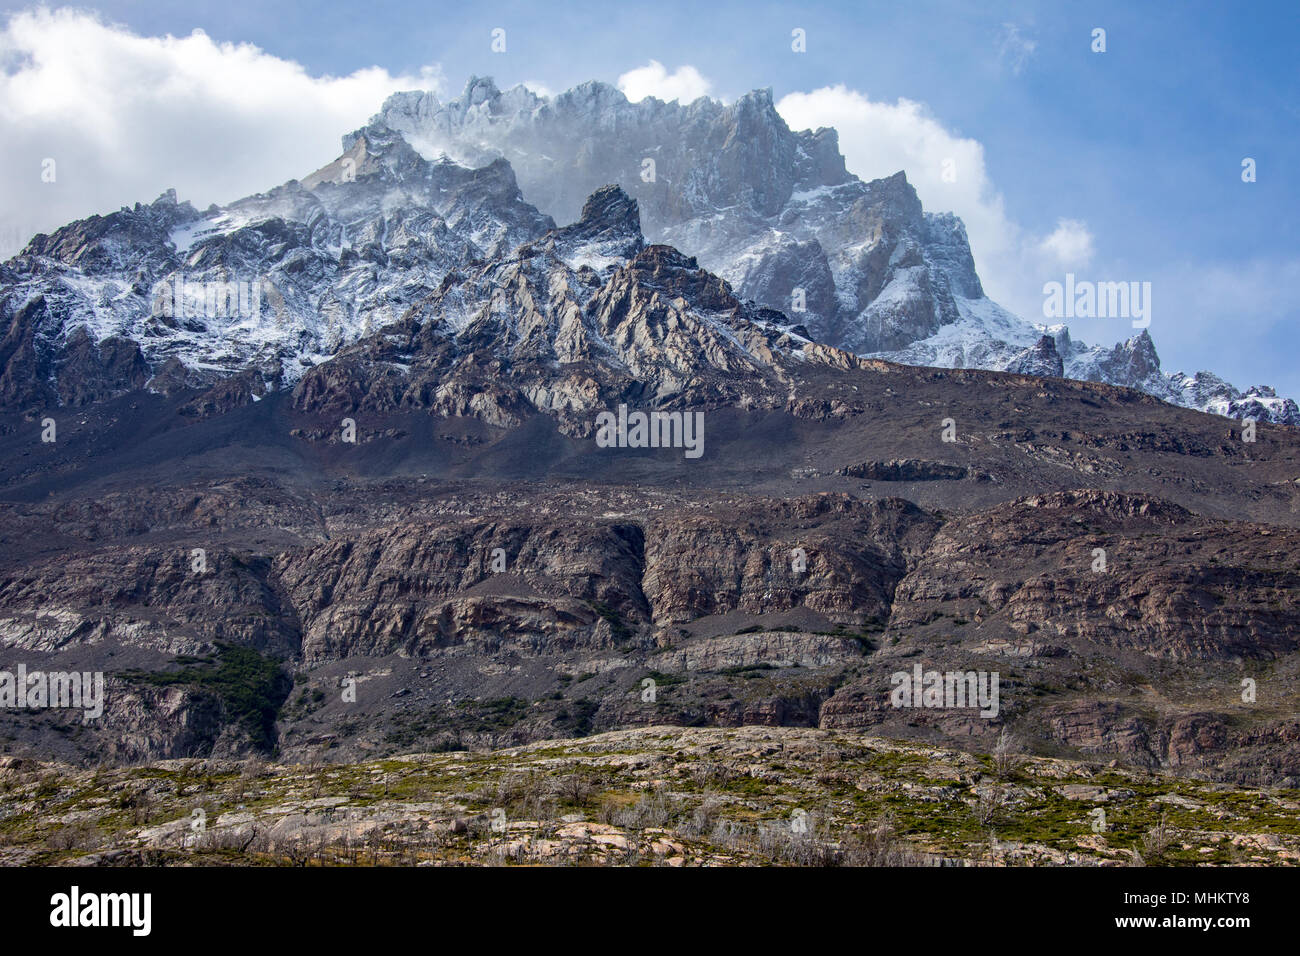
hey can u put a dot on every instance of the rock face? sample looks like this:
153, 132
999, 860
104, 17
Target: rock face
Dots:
906, 469
1160, 597
776, 213
391, 520
273, 285
477, 613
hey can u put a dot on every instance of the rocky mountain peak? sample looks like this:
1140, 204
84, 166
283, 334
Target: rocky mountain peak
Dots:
1040, 359
1135, 359
774, 212
428, 188
895, 198
610, 210
480, 89
610, 226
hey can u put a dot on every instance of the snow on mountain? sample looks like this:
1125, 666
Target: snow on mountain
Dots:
772, 211
775, 212
271, 285
276, 282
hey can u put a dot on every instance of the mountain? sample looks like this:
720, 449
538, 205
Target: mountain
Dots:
569, 324
268, 287
347, 435
430, 516
768, 209
773, 211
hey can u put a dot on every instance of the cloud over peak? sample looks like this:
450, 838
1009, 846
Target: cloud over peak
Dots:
685, 84
124, 116
949, 174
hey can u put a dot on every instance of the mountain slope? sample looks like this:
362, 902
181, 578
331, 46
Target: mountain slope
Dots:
775, 212
268, 285
260, 291
489, 573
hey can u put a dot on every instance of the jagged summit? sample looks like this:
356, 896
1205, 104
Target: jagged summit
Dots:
609, 227
775, 212
426, 189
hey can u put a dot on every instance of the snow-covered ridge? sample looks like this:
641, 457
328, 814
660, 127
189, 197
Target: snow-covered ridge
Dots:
776, 213
428, 189
345, 251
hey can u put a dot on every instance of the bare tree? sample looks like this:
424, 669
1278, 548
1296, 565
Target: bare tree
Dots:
1007, 754
576, 789
1157, 840
989, 805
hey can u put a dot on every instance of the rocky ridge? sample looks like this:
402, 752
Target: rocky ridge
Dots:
262, 291
775, 212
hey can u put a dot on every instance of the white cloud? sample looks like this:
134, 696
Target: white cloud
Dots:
1240, 306
124, 117
1015, 49
949, 174
541, 89
1070, 244
685, 84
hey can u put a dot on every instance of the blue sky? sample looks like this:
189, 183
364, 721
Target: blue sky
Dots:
1139, 147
